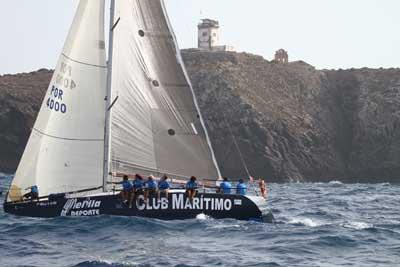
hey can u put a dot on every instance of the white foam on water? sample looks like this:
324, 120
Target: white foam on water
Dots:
307, 222
357, 225
102, 261
335, 182
202, 216
223, 226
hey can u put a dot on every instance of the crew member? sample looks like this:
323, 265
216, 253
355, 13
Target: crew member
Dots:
241, 188
225, 187
150, 187
127, 190
191, 187
263, 188
137, 186
163, 187
33, 194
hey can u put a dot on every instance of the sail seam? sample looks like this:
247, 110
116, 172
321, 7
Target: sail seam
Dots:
83, 63
68, 139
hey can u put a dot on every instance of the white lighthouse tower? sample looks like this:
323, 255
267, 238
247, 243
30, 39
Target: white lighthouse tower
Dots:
209, 36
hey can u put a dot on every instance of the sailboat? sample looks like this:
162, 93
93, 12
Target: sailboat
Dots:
133, 113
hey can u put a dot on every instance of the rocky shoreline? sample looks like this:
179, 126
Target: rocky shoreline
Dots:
292, 122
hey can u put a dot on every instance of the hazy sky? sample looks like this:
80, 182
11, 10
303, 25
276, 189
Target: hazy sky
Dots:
324, 33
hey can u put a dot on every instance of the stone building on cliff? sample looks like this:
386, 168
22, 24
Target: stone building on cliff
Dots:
209, 37
282, 56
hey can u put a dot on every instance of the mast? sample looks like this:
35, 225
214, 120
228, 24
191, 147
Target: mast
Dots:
107, 125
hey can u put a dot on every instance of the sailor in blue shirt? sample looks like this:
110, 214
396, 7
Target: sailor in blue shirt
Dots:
225, 186
150, 187
127, 190
138, 182
126, 185
35, 189
241, 188
137, 186
163, 186
191, 187
33, 194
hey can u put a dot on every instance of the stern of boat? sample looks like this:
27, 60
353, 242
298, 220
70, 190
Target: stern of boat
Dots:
262, 205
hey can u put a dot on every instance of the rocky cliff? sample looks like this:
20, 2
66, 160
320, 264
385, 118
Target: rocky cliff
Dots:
20, 99
291, 122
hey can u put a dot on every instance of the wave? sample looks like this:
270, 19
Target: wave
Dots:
314, 221
335, 182
6, 176
357, 225
338, 241
307, 222
109, 264
202, 217
104, 264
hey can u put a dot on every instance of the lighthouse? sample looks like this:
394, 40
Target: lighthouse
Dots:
209, 36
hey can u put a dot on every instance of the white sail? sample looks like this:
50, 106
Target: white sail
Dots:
65, 149
156, 126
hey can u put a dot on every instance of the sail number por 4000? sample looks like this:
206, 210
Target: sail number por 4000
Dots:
54, 102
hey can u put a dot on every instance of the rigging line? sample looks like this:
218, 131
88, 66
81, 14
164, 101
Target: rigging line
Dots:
67, 139
233, 138
228, 153
237, 145
239, 151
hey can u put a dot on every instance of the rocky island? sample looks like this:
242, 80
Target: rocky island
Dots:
291, 121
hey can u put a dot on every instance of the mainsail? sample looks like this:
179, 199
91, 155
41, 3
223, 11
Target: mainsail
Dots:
156, 126
65, 149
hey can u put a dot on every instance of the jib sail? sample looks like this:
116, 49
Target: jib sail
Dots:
65, 149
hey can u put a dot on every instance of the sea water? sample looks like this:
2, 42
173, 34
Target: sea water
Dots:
317, 224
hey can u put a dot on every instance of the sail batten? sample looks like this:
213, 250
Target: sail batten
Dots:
83, 63
66, 138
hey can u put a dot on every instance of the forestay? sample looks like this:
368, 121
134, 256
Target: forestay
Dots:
65, 149
156, 126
